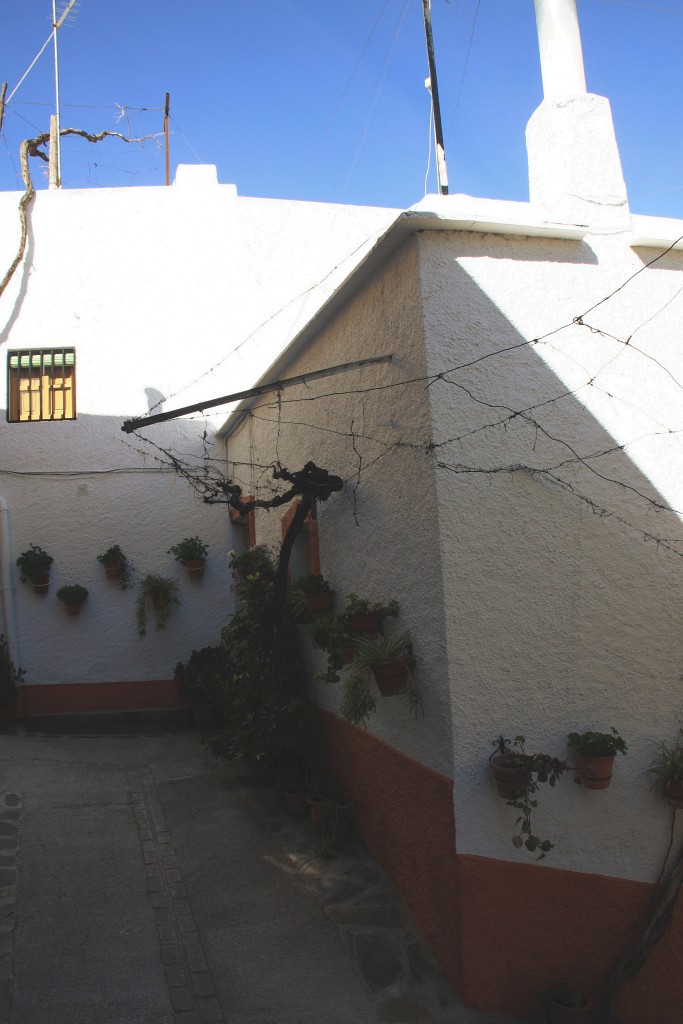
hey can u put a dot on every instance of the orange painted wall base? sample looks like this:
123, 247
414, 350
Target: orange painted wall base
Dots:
504, 932
74, 698
404, 813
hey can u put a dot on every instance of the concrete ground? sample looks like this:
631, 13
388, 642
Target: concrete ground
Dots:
143, 882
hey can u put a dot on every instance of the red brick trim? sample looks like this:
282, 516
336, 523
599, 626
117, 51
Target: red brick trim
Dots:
404, 813
311, 528
247, 520
83, 697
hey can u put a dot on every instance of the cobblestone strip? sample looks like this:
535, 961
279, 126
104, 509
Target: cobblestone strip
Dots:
11, 806
190, 986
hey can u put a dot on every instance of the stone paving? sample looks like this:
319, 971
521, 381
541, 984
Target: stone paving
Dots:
10, 814
406, 984
402, 982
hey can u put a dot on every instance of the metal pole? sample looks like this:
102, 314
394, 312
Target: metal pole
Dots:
56, 171
262, 389
168, 165
441, 173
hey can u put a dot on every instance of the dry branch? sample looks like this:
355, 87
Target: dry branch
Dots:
31, 147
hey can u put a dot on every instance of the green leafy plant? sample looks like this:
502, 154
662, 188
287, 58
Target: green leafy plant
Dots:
72, 594
358, 702
356, 605
535, 770
189, 549
34, 564
668, 766
201, 678
113, 559
312, 584
162, 594
112, 556
597, 744
329, 633
10, 677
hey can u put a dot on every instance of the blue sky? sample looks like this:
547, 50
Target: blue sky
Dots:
325, 100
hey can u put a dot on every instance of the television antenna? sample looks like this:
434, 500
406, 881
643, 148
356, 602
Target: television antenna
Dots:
55, 150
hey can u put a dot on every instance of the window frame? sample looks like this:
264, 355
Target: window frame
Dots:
42, 367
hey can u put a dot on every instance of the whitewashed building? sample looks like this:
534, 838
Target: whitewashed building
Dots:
153, 298
514, 477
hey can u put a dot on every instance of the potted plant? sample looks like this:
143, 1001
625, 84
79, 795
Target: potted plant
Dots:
519, 789
668, 771
10, 677
162, 593
191, 551
595, 753
34, 567
565, 1005
116, 565
73, 597
319, 597
202, 680
363, 617
292, 780
388, 657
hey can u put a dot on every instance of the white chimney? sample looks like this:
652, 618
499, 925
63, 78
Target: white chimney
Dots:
574, 167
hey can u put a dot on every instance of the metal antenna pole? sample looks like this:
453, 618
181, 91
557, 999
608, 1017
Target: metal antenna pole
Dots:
441, 172
168, 165
56, 173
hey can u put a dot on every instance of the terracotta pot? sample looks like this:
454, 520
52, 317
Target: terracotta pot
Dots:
113, 570
158, 601
73, 609
316, 809
41, 585
367, 624
595, 772
195, 568
319, 604
559, 1014
296, 803
391, 677
346, 656
510, 778
673, 791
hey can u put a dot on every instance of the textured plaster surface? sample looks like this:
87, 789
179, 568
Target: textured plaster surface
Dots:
378, 538
156, 288
558, 619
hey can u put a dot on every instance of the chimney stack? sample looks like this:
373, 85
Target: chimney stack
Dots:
574, 167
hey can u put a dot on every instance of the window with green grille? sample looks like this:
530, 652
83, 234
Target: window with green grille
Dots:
41, 384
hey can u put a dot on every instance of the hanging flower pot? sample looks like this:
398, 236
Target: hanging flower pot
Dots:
673, 791
595, 753
195, 568
391, 676
594, 772
73, 597
34, 567
368, 623
510, 774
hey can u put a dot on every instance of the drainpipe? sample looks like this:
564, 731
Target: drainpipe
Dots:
10, 623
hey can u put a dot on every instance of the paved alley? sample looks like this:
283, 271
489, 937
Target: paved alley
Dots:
144, 882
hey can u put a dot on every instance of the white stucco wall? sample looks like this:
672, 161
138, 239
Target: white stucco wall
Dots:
156, 288
392, 549
559, 619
